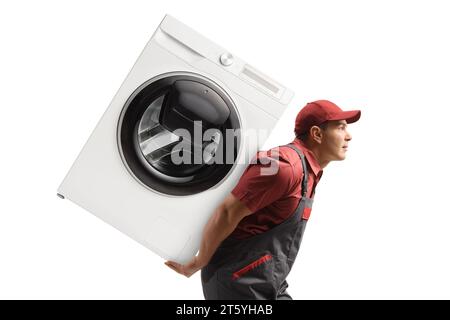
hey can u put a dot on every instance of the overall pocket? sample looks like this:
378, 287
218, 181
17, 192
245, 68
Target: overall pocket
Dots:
252, 278
251, 266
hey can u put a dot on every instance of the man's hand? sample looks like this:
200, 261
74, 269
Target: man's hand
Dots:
187, 269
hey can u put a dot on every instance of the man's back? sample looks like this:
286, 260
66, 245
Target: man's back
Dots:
273, 198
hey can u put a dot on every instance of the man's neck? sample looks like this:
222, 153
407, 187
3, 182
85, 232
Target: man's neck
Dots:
316, 151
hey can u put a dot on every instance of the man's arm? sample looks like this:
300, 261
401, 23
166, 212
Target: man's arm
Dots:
221, 224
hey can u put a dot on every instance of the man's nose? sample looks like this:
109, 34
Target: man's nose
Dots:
348, 137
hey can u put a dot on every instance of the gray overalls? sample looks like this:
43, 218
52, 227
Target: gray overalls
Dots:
257, 267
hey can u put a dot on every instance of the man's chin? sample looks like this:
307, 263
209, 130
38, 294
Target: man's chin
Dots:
338, 157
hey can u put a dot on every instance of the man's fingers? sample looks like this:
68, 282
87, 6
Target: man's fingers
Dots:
186, 270
174, 266
170, 265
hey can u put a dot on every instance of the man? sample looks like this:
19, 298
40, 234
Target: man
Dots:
251, 241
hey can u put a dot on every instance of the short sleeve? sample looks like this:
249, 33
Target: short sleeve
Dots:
260, 185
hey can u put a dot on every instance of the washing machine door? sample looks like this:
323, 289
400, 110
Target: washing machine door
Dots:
178, 134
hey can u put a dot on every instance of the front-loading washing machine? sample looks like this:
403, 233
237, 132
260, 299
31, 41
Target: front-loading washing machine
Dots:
174, 141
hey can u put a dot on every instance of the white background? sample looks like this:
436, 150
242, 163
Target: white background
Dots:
380, 226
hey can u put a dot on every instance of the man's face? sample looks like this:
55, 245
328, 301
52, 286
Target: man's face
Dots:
335, 140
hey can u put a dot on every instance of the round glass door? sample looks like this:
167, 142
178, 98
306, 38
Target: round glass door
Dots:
179, 134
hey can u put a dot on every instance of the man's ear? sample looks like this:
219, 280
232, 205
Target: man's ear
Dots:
316, 134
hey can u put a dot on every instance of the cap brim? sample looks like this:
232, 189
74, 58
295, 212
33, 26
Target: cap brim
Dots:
349, 116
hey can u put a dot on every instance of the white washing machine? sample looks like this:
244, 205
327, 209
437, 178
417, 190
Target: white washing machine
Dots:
129, 173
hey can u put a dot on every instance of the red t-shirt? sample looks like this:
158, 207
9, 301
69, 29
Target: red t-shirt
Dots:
272, 198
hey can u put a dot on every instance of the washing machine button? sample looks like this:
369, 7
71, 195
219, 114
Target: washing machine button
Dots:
226, 59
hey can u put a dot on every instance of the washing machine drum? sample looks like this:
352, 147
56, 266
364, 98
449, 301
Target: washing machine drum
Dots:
179, 134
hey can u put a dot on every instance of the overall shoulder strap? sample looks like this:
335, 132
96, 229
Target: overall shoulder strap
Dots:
305, 169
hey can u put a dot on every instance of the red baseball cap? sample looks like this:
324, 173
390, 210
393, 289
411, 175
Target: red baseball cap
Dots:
317, 112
